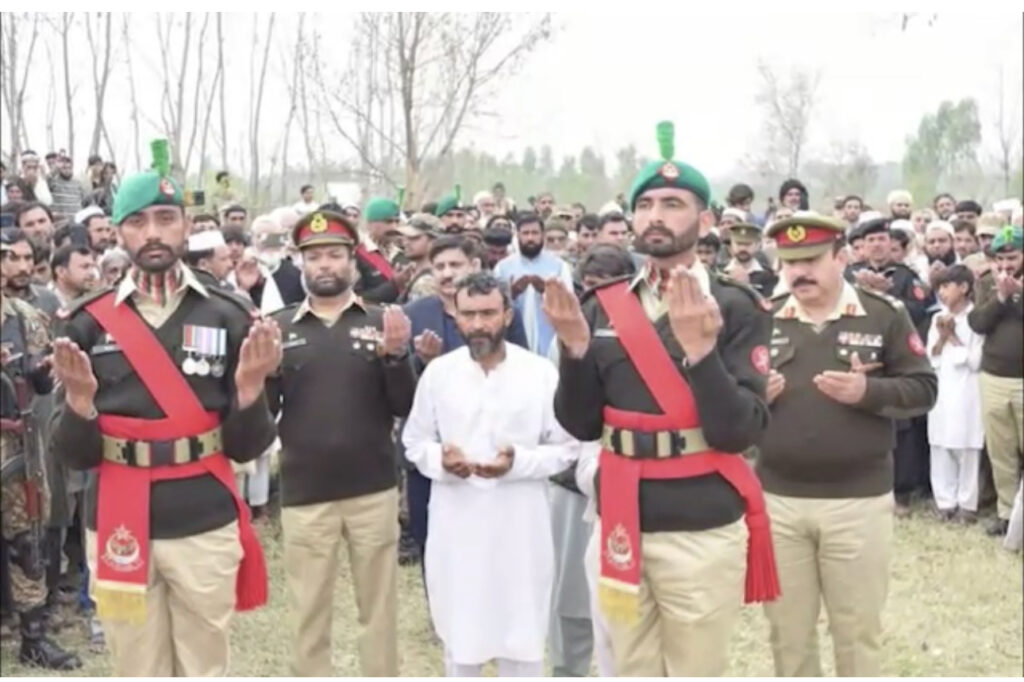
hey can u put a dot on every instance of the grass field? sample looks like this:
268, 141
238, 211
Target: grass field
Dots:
955, 608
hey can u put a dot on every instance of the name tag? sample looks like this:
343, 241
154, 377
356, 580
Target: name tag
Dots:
605, 334
293, 343
858, 339
108, 348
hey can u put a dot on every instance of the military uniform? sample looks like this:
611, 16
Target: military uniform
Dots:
826, 466
25, 338
761, 277
169, 543
376, 283
671, 495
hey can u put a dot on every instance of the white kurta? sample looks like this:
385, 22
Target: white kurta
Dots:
955, 421
490, 555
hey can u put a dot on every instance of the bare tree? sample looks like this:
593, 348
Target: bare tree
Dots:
788, 104
256, 103
12, 79
131, 91
1006, 124
100, 75
67, 19
422, 78
292, 85
223, 79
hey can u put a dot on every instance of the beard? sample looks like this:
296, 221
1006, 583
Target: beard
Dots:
675, 244
328, 285
947, 258
530, 250
19, 282
743, 257
483, 345
169, 257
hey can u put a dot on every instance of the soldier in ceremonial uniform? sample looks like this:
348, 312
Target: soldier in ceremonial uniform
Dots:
668, 369
380, 279
346, 374
25, 339
745, 266
451, 212
163, 379
847, 361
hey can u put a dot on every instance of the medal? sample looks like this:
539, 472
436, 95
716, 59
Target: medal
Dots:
189, 366
202, 367
217, 368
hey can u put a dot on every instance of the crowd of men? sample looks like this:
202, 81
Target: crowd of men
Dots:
600, 432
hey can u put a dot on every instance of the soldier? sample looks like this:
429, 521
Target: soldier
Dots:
847, 362
163, 380
25, 340
745, 241
450, 211
668, 369
380, 280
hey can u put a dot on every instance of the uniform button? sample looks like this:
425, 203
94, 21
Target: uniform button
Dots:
775, 351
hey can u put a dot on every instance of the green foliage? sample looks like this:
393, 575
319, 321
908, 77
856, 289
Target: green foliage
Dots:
944, 148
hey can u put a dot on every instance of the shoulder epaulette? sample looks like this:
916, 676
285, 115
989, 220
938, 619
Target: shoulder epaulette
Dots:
589, 293
72, 308
237, 299
750, 291
893, 302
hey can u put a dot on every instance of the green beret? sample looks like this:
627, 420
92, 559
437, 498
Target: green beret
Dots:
805, 235
669, 173
1009, 238
143, 190
449, 202
379, 210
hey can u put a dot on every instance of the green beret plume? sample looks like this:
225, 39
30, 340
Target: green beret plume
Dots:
667, 139
458, 194
401, 196
1007, 234
161, 157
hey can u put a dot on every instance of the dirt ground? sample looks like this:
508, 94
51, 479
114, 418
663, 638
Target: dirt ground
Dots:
955, 608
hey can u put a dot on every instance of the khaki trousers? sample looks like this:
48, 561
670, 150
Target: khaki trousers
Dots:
312, 538
189, 604
1002, 412
837, 550
691, 593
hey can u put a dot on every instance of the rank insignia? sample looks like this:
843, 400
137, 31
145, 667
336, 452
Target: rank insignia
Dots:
796, 234
669, 171
318, 224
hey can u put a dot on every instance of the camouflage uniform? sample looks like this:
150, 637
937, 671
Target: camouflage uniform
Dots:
22, 330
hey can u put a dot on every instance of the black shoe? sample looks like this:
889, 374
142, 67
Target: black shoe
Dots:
39, 650
997, 528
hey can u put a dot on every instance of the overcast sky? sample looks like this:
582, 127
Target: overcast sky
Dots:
604, 80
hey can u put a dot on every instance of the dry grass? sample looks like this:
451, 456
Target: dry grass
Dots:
955, 608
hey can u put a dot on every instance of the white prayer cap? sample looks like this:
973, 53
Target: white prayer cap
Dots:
904, 225
610, 207
205, 241
900, 195
286, 217
868, 215
264, 223
86, 213
481, 196
942, 226
737, 213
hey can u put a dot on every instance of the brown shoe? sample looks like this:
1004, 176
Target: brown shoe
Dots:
902, 511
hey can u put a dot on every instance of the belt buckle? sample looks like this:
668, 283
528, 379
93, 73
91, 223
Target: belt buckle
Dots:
161, 453
678, 441
645, 444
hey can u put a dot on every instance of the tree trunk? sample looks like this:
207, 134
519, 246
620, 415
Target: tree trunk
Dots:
66, 18
131, 91
254, 143
223, 79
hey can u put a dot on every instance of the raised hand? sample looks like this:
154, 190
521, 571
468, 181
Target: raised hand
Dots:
843, 387
857, 366
397, 331
566, 317
454, 461
428, 346
258, 357
73, 369
694, 317
404, 274
776, 384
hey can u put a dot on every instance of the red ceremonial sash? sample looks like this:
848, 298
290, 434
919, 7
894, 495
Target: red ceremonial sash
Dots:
620, 476
378, 261
122, 515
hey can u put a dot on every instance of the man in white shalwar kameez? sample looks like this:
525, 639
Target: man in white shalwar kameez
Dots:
482, 428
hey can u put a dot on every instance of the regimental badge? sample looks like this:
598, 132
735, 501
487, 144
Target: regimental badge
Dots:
796, 233
918, 293
669, 171
166, 188
318, 224
914, 341
760, 360
122, 552
619, 549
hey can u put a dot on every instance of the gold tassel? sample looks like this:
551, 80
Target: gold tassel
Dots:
619, 601
118, 602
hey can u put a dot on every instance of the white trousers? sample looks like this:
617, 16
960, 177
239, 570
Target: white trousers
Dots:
506, 668
602, 640
255, 487
954, 475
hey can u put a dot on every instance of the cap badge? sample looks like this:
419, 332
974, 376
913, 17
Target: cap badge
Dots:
318, 224
796, 233
166, 188
669, 171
